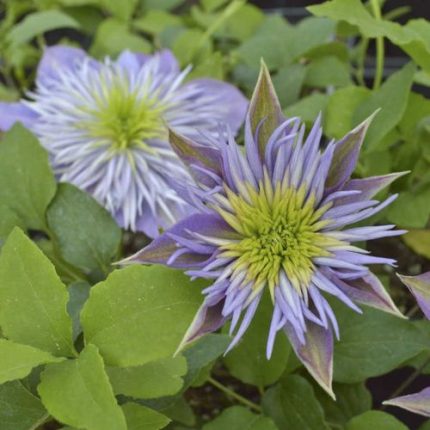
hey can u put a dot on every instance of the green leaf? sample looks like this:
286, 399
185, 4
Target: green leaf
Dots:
212, 66
17, 361
140, 314
308, 107
85, 232
38, 23
418, 241
122, 10
32, 298
77, 393
288, 83
26, 181
248, 361
188, 46
375, 420
152, 380
340, 108
143, 418
78, 294
351, 400
239, 418
162, 4
373, 343
392, 99
327, 71
155, 21
292, 405
19, 409
113, 36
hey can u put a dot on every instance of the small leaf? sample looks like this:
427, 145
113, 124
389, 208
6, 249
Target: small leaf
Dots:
308, 107
288, 83
140, 314
78, 294
122, 10
20, 410
86, 234
27, 184
152, 380
248, 361
162, 4
327, 71
78, 393
155, 21
375, 420
38, 23
239, 418
32, 298
418, 241
143, 418
392, 99
373, 343
292, 405
17, 361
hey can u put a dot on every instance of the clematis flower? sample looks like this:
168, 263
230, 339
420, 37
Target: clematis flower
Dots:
104, 125
274, 219
418, 403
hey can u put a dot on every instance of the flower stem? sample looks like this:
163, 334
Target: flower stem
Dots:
402, 387
379, 47
234, 395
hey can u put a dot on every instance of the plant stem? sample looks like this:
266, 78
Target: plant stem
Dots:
408, 381
234, 395
379, 47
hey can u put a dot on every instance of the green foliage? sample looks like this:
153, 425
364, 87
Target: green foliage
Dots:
376, 420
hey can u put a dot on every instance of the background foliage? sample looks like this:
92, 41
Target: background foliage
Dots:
88, 347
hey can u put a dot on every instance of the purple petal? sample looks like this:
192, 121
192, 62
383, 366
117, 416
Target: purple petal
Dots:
161, 249
228, 101
167, 62
10, 113
207, 320
419, 286
345, 156
418, 403
369, 187
369, 291
316, 353
57, 59
132, 61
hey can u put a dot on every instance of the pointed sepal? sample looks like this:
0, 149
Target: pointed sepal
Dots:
419, 286
418, 403
265, 113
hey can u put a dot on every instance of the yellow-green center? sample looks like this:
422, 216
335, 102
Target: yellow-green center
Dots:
279, 230
124, 119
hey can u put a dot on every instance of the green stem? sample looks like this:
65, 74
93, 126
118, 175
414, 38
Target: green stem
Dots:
234, 395
408, 381
379, 47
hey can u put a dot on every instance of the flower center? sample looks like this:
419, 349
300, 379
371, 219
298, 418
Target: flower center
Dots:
124, 118
279, 232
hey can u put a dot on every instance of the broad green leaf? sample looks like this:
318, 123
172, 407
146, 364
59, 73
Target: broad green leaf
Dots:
140, 314
162, 4
26, 181
327, 71
248, 361
188, 47
373, 343
392, 99
8, 220
113, 36
17, 361
122, 10
351, 400
417, 109
308, 107
240, 418
38, 23
399, 212
292, 405
288, 83
32, 298
375, 420
78, 294
155, 379
425, 426
155, 21
418, 241
77, 393
340, 108
212, 66
19, 409
212, 5
84, 231
142, 418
